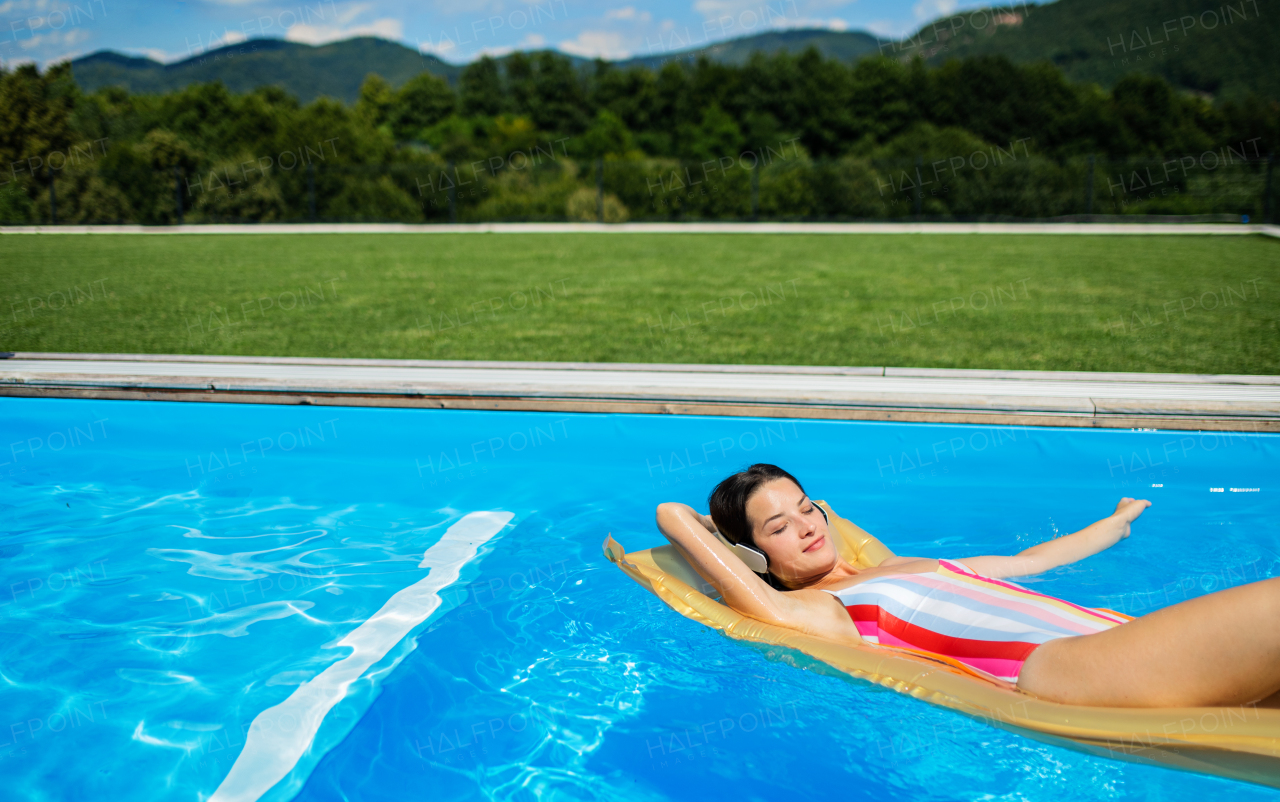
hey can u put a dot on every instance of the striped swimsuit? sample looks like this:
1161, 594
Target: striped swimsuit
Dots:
982, 626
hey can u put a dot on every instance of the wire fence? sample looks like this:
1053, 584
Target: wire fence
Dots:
769, 185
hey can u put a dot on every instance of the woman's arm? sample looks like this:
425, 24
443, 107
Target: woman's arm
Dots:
740, 587
1064, 550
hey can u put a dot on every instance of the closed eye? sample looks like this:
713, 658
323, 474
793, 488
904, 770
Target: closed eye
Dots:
784, 525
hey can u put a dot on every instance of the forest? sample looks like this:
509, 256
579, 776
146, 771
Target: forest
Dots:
534, 137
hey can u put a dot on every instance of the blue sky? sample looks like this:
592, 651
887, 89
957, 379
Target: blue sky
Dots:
45, 31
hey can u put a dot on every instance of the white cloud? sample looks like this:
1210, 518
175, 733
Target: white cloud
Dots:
830, 24
590, 44
350, 12
22, 6
629, 14
890, 28
445, 46
453, 8
341, 24
156, 54
715, 9
65, 38
926, 10
71, 55
534, 41
492, 52
439, 47
385, 28
201, 45
729, 19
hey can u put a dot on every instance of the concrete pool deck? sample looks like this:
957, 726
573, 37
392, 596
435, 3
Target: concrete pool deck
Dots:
928, 395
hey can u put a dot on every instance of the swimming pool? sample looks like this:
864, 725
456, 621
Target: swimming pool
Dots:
174, 572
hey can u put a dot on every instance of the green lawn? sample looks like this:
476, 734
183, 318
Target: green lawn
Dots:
1181, 304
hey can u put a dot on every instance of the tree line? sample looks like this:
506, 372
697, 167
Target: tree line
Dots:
148, 158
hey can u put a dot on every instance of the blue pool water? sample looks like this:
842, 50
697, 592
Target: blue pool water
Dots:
172, 572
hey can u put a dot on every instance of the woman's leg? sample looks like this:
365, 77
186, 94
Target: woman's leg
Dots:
1220, 649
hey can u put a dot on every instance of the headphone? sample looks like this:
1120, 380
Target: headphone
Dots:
754, 558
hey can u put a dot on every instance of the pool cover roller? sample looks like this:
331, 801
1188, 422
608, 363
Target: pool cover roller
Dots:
1241, 742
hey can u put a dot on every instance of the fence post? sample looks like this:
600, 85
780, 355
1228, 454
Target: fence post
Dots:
600, 189
453, 193
177, 192
53, 197
755, 192
1088, 192
919, 179
1268, 211
311, 192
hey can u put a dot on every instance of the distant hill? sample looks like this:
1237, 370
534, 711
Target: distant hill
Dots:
843, 45
337, 70
1090, 40
1220, 49
334, 70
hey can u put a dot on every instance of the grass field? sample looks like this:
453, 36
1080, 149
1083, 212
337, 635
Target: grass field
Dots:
1179, 304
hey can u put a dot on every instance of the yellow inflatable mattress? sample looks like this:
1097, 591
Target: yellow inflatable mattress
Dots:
1240, 742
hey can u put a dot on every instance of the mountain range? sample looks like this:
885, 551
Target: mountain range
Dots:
1226, 50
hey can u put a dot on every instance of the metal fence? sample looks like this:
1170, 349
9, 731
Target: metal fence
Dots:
776, 185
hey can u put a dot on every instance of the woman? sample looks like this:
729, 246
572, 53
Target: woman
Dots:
1220, 649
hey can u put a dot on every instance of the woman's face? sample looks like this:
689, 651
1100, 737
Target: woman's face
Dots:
791, 531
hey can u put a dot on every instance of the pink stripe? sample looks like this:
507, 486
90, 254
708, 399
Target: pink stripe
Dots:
867, 628
1000, 668
1003, 602
1007, 670
948, 565
887, 639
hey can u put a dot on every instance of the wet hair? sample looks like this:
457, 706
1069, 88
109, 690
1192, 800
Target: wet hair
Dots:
728, 501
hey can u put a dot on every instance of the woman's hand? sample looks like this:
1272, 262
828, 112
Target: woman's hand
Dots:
690, 532
1065, 550
1127, 512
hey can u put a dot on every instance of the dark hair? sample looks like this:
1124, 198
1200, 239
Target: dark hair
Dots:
728, 501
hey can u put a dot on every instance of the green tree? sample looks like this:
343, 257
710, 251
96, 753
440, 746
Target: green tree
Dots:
881, 101
376, 100
607, 136
715, 136
202, 114
1252, 121
85, 198
15, 206
1158, 121
35, 117
631, 94
559, 95
421, 103
481, 91
520, 83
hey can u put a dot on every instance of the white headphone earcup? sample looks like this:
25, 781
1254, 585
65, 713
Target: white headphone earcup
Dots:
751, 558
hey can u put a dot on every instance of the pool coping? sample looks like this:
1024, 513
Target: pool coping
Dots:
1052, 228
920, 395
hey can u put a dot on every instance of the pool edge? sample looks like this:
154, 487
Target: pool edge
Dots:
1255, 424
